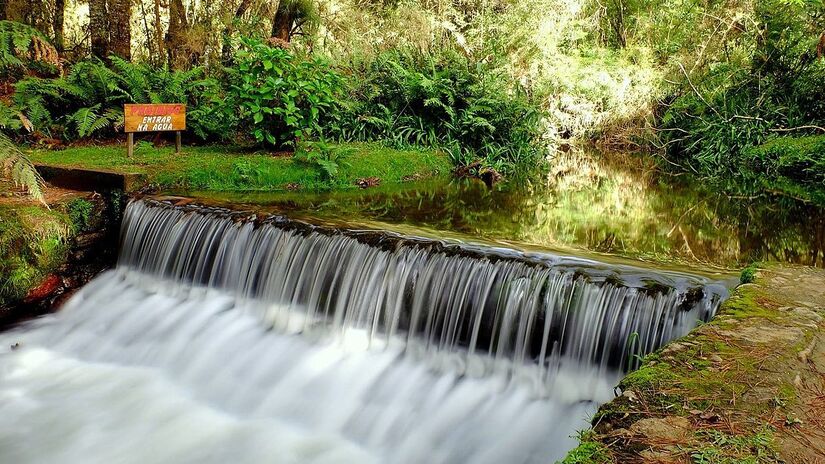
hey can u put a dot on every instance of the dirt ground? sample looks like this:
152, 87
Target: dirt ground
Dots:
12, 195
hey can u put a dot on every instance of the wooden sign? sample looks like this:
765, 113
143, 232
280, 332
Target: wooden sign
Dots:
154, 117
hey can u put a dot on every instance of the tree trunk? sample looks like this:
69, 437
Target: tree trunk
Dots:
226, 49
284, 17
158, 31
3, 10
99, 28
175, 36
59, 16
120, 27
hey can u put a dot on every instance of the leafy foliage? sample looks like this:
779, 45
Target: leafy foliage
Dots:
24, 48
719, 115
443, 101
89, 100
283, 95
17, 166
327, 158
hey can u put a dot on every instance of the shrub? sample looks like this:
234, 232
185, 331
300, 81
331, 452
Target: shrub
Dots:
326, 158
23, 48
718, 117
284, 96
89, 100
443, 101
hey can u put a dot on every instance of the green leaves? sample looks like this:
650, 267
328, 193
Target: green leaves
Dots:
327, 159
16, 166
441, 100
285, 96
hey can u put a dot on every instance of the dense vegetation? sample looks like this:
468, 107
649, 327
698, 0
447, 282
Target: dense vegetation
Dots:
496, 84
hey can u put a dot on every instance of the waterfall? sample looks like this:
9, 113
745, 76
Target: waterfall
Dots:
223, 336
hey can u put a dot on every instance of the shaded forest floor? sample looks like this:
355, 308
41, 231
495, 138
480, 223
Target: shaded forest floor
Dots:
748, 387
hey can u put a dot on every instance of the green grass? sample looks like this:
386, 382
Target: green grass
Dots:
588, 451
33, 242
232, 168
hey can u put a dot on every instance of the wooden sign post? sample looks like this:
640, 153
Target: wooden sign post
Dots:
156, 117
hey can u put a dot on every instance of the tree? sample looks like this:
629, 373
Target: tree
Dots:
57, 23
226, 49
291, 16
284, 17
158, 30
176, 35
99, 28
120, 28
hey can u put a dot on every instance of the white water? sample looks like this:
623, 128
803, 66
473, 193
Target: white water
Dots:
143, 367
126, 375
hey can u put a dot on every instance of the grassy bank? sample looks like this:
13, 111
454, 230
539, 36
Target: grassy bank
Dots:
232, 168
744, 388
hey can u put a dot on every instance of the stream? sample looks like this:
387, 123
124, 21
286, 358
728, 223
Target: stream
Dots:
441, 321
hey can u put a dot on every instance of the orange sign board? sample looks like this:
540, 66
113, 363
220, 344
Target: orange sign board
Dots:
154, 117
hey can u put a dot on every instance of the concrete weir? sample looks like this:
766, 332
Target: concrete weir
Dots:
746, 387
90, 179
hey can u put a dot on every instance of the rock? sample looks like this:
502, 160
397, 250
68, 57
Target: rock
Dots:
666, 430
763, 335
715, 358
630, 395
806, 353
50, 285
661, 456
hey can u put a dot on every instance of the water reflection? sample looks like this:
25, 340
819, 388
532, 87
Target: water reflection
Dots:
613, 204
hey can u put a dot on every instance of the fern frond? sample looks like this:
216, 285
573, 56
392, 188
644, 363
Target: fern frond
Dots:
85, 119
133, 78
20, 169
22, 45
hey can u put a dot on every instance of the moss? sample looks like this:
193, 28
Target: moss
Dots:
747, 302
80, 212
232, 168
33, 242
589, 451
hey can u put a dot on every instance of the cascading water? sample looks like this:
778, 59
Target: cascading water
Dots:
220, 338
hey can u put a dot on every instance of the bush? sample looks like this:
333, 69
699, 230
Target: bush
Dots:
800, 158
284, 96
25, 49
718, 118
89, 100
442, 101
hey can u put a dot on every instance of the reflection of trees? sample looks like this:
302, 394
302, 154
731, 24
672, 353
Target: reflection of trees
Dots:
611, 209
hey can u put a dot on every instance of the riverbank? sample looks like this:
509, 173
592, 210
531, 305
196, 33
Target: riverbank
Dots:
46, 253
748, 387
338, 166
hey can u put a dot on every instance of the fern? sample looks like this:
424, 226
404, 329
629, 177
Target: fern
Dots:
133, 79
24, 47
10, 117
89, 100
17, 167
